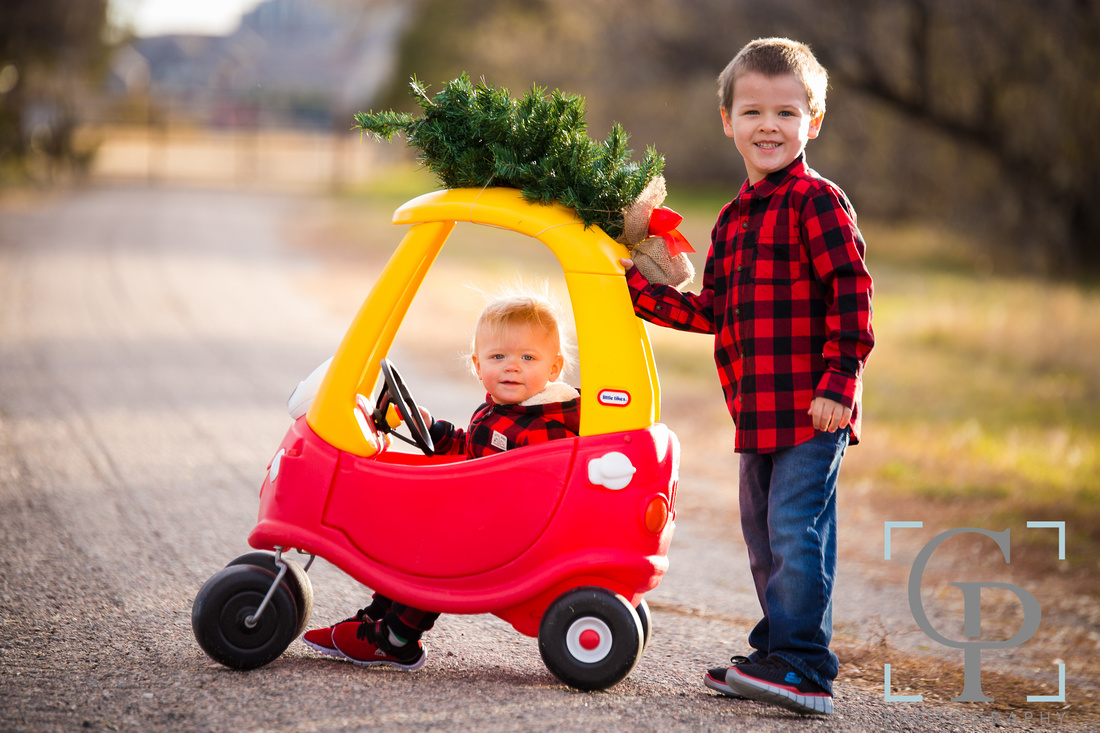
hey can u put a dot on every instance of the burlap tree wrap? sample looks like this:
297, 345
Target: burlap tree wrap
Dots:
650, 254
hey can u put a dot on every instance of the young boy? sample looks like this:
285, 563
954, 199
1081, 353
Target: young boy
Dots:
788, 297
518, 356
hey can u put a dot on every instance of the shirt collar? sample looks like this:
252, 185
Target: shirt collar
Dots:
775, 181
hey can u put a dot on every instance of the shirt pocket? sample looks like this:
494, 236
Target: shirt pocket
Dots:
778, 256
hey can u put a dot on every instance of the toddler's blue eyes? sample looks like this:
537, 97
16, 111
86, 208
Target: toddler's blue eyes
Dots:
525, 357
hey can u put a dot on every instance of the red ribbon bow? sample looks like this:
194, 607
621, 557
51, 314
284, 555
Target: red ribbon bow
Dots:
663, 221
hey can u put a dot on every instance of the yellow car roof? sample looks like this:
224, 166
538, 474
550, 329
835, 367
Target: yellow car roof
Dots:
619, 387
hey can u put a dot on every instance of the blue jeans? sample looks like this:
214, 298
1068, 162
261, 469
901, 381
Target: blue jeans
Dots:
788, 516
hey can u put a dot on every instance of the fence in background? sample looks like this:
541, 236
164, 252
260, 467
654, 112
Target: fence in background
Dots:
247, 158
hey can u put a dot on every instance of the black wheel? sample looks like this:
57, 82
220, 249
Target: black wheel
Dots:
642, 609
590, 638
219, 617
396, 393
296, 579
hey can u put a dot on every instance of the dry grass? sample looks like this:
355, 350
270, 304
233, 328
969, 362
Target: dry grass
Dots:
938, 681
983, 395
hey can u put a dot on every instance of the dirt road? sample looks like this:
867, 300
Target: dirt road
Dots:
148, 341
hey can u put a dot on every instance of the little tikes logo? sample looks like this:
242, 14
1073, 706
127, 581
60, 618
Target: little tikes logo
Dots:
614, 397
972, 613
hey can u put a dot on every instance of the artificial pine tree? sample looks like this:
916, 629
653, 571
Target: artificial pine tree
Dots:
475, 135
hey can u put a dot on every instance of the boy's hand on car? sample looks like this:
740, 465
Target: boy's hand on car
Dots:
627, 264
829, 415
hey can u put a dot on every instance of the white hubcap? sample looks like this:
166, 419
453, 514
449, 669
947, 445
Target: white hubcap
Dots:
588, 639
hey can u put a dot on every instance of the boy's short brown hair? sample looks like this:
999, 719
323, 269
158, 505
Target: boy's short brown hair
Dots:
775, 57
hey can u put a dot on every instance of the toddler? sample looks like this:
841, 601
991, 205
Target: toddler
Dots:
519, 358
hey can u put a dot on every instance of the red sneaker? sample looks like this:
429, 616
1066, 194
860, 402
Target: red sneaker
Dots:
321, 639
367, 644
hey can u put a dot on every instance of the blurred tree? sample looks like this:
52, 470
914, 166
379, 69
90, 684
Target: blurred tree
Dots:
979, 113
635, 62
48, 50
1014, 83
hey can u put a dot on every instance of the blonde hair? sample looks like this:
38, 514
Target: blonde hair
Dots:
524, 307
775, 57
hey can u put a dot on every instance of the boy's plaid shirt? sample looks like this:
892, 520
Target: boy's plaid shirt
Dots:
496, 428
788, 296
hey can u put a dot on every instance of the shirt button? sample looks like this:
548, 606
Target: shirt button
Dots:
739, 268
744, 225
659, 308
736, 311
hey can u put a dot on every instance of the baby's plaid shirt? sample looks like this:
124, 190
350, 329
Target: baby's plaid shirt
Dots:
496, 428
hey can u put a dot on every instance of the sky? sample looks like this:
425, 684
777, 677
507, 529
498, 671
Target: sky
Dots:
156, 17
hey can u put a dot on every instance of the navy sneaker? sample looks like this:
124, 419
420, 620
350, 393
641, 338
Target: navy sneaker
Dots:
715, 678
777, 682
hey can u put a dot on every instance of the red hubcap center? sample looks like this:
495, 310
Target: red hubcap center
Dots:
589, 639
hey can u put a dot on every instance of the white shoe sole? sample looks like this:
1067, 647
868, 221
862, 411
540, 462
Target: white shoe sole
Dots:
388, 663
329, 650
721, 686
784, 697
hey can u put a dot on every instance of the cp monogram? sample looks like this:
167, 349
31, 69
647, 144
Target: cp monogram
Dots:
972, 613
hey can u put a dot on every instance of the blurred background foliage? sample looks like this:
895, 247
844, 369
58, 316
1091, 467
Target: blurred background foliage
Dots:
980, 113
53, 54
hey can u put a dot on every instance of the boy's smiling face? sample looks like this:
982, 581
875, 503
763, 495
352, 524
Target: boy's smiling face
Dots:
769, 121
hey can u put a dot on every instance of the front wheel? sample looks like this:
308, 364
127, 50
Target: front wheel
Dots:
590, 638
296, 579
223, 623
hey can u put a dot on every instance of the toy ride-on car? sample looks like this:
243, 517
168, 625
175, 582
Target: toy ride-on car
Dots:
561, 539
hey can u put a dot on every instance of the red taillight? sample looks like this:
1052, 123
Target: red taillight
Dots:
656, 514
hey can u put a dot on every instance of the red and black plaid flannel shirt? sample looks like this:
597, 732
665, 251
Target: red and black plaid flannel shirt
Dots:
496, 428
788, 296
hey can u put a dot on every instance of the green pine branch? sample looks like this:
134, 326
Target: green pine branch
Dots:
475, 136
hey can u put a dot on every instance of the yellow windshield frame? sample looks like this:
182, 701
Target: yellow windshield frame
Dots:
619, 386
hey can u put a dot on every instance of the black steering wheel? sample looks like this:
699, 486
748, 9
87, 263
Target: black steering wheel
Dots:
394, 392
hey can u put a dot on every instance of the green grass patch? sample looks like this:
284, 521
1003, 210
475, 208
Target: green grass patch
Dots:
983, 394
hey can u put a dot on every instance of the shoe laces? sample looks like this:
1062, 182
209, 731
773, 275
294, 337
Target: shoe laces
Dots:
368, 630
